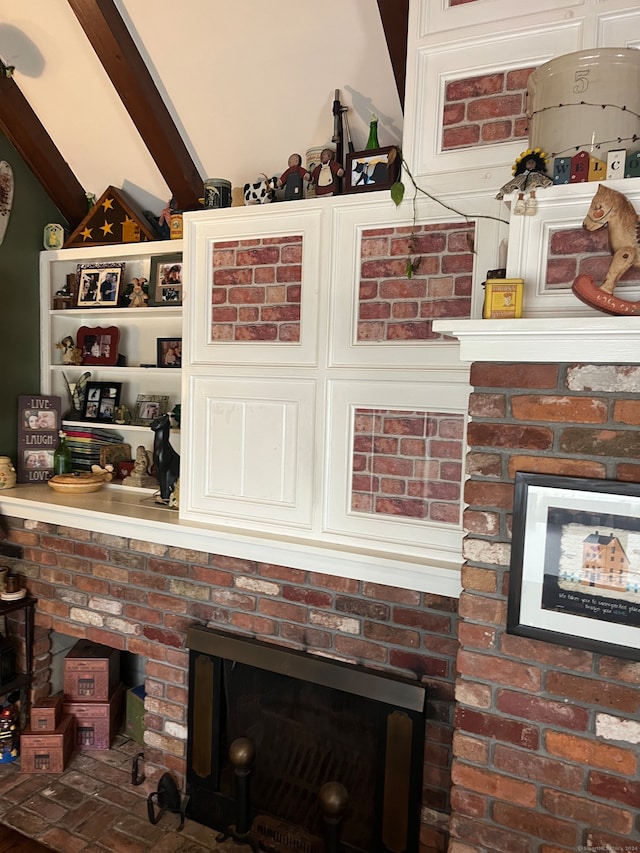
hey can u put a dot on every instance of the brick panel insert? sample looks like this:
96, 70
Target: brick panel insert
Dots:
257, 287
545, 744
408, 464
394, 307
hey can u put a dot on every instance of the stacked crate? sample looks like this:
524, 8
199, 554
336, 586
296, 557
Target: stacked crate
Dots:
93, 694
47, 743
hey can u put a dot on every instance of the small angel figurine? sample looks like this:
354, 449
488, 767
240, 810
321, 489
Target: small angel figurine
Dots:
71, 354
528, 176
138, 298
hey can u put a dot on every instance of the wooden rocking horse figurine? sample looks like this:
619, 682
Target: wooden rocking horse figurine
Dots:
611, 208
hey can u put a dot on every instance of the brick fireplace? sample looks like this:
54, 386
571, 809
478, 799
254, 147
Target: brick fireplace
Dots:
142, 598
545, 736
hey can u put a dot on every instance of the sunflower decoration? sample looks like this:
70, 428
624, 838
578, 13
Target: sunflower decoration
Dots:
528, 176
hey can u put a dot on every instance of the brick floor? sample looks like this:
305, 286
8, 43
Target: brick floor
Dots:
92, 807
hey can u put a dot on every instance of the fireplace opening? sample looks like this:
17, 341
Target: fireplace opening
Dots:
310, 721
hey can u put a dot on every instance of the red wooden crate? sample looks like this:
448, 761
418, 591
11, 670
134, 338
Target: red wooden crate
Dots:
46, 714
48, 752
97, 723
91, 672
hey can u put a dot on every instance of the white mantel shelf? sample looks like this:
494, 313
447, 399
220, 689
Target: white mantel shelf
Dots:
594, 340
132, 513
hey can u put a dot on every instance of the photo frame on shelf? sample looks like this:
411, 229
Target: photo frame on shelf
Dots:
99, 284
165, 286
575, 576
98, 344
101, 401
169, 352
375, 169
149, 407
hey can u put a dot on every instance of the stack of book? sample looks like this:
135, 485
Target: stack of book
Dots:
86, 442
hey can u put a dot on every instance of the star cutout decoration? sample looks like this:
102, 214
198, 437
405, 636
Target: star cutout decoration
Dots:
113, 219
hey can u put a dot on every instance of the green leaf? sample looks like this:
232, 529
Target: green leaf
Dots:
397, 192
409, 268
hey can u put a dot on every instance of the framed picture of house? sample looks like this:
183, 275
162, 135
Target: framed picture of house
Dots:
575, 563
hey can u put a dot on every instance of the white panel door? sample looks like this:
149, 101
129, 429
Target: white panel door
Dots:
253, 457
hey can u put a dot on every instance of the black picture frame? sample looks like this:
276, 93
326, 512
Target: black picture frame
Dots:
99, 284
375, 169
101, 401
572, 580
169, 352
165, 285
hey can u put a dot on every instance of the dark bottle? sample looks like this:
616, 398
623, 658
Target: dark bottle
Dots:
372, 141
62, 456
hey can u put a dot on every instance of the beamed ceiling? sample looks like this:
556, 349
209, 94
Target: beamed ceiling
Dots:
146, 99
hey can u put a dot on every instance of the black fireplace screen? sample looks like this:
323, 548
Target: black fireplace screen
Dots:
310, 721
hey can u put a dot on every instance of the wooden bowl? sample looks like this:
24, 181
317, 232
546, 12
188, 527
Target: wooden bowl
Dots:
78, 484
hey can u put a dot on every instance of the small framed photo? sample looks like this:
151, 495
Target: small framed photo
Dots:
165, 287
169, 352
149, 407
98, 344
99, 284
101, 401
574, 574
375, 169
40, 419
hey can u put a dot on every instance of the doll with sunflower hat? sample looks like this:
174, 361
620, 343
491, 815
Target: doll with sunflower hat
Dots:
528, 176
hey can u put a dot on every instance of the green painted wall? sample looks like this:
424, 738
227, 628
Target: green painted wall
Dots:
19, 293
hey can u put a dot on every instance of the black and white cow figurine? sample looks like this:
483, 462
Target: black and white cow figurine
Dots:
261, 191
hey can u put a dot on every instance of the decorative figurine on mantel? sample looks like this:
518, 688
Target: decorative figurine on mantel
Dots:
71, 354
140, 476
136, 294
609, 207
528, 176
165, 458
293, 178
326, 173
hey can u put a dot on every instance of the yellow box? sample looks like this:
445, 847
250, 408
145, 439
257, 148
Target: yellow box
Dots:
503, 298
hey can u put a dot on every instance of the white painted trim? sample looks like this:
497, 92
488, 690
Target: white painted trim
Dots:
131, 513
593, 340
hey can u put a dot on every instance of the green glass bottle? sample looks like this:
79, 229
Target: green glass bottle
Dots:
372, 141
62, 456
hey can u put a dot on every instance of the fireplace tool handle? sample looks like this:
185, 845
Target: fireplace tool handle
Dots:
137, 778
241, 754
168, 799
333, 801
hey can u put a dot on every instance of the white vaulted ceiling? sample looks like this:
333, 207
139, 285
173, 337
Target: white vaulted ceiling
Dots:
247, 83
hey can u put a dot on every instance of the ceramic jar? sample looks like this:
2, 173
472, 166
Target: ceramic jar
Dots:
7, 473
